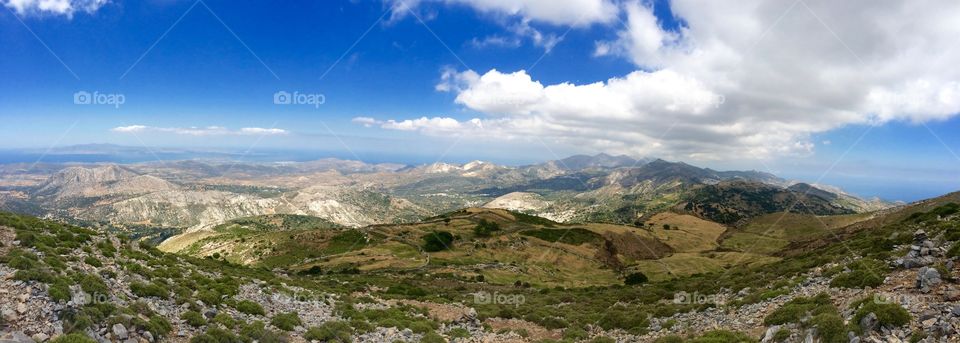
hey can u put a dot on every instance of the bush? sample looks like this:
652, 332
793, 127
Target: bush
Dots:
193, 318
93, 285
432, 337
782, 335
249, 307
286, 321
486, 228
635, 279
330, 332
149, 290
437, 241
830, 328
60, 290
93, 261
863, 273
798, 308
73, 338
225, 319
722, 336
669, 339
887, 314
216, 335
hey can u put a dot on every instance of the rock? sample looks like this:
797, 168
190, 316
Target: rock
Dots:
927, 278
768, 336
955, 311
21, 308
120, 331
210, 313
869, 322
951, 294
41, 337
148, 336
9, 315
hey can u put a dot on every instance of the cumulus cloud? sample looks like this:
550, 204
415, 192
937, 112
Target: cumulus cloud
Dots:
202, 131
55, 7
739, 79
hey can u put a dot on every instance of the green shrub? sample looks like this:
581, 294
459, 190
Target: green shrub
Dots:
798, 308
722, 336
60, 290
575, 236
863, 273
437, 241
887, 314
216, 335
486, 228
225, 319
432, 337
954, 250
782, 335
39, 275
249, 307
330, 332
669, 339
193, 318
149, 290
830, 328
635, 279
286, 321
93, 261
93, 285
73, 338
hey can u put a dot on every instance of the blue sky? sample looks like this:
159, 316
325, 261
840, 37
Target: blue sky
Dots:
501, 81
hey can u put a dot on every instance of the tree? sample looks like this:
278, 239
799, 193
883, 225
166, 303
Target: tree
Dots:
635, 279
485, 228
666, 226
437, 241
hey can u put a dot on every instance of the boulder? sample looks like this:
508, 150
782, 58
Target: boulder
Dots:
869, 322
927, 278
120, 331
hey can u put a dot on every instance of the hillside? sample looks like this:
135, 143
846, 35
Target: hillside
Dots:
395, 282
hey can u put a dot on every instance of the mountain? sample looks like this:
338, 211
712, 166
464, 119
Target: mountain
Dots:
599, 161
730, 202
197, 195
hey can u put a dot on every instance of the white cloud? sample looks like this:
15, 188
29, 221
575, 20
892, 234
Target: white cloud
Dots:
744, 79
56, 7
556, 12
202, 131
434, 125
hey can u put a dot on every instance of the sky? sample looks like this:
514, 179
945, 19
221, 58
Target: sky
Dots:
800, 88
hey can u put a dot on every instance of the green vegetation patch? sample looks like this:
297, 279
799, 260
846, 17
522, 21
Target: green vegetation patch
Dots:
575, 236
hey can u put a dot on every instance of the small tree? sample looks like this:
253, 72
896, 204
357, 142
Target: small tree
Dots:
666, 226
635, 279
437, 241
485, 228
